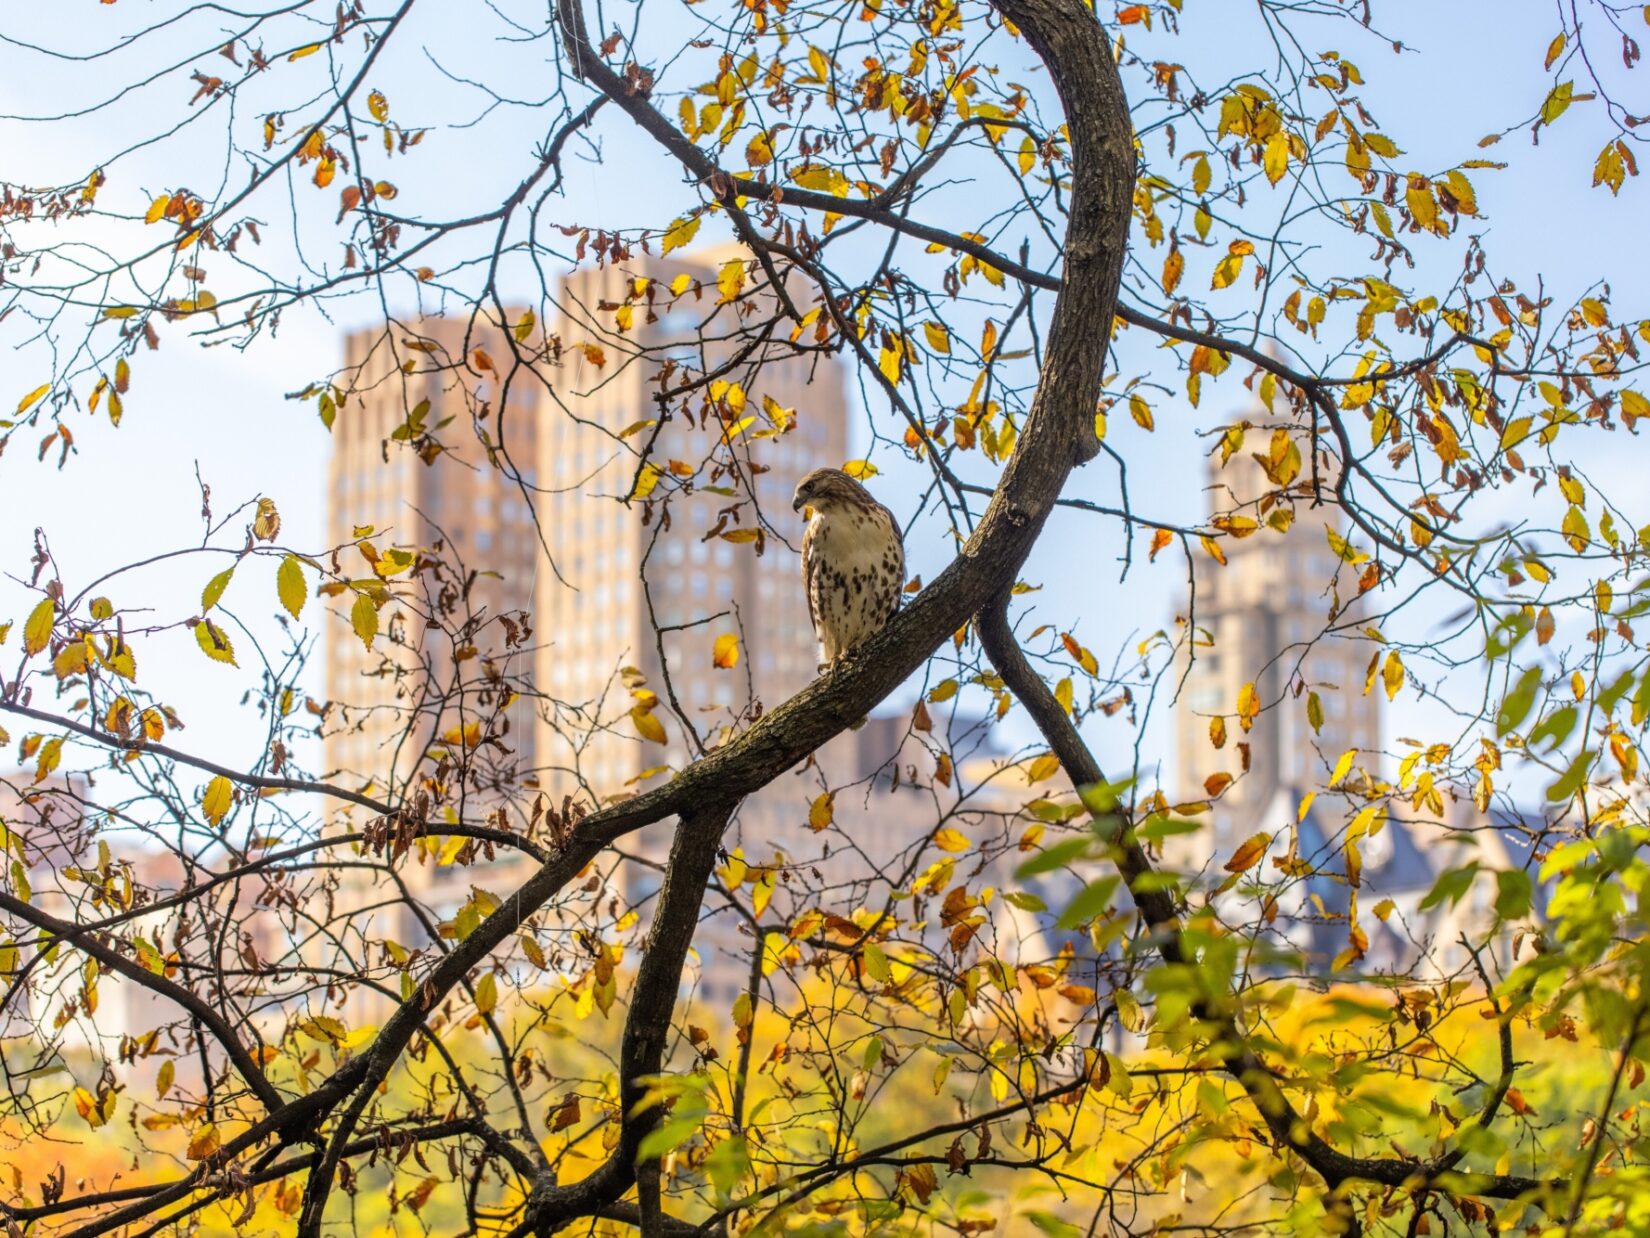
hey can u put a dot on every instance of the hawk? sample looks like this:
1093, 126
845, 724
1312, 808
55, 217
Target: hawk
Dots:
853, 562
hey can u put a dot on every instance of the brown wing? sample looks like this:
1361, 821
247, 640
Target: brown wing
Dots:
896, 556
810, 574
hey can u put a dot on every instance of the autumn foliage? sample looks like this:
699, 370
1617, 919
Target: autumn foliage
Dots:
345, 890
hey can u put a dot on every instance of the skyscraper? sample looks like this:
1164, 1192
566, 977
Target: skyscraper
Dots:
416, 384
1265, 618
652, 583
627, 567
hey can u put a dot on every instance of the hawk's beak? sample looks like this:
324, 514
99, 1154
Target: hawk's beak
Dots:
798, 503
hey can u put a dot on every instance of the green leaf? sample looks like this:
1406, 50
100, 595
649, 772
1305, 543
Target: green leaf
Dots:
876, 963
1053, 857
677, 1129
727, 1164
1159, 826
1611, 696
1514, 892
1024, 901
1094, 899
1515, 706
1052, 1225
1452, 884
1556, 726
1570, 781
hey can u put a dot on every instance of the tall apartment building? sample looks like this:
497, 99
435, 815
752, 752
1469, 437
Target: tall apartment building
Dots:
614, 599
1264, 619
621, 580
459, 499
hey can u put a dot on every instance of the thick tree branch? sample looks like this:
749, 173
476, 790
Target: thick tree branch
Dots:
646, 1030
81, 939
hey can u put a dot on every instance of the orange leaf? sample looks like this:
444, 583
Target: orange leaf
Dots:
1249, 854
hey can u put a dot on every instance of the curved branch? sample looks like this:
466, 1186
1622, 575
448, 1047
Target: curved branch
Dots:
1289, 1129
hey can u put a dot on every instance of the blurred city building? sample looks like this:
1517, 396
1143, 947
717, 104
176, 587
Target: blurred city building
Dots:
1283, 614
615, 593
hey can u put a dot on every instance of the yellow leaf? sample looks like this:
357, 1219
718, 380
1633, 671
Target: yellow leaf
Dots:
87, 1107
1141, 412
214, 644
164, 1077
646, 480
890, 359
33, 398
859, 470
948, 839
218, 800
266, 525
647, 726
939, 341
466, 736
299, 55
1557, 101
680, 233
51, 755
379, 106
1201, 174
1249, 854
1227, 271
1248, 705
730, 280
1392, 674
203, 1144
215, 587
363, 617
157, 209
726, 654
290, 586
1276, 158
822, 811
37, 628
524, 328
1028, 156
487, 994
1045, 766
1174, 266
